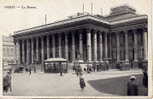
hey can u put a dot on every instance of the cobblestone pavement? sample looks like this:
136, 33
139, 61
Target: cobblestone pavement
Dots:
50, 84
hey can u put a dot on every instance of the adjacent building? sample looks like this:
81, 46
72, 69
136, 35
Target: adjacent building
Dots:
120, 36
8, 50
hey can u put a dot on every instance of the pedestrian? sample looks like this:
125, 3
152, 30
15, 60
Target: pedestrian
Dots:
34, 68
29, 70
145, 78
73, 68
85, 69
61, 73
7, 82
132, 87
61, 69
79, 70
82, 82
94, 66
107, 67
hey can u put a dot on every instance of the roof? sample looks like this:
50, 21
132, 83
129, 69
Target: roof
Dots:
118, 15
63, 22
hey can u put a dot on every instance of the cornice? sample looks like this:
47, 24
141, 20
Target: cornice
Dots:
87, 18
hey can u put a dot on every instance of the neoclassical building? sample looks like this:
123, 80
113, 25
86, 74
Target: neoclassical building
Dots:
120, 36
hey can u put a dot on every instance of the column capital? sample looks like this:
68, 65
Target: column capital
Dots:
66, 34
134, 30
145, 29
95, 31
126, 31
88, 30
80, 30
72, 31
23, 40
100, 32
17, 41
105, 33
42, 37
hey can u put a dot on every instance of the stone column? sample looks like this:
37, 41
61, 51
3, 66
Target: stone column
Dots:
66, 46
126, 47
73, 46
135, 46
28, 52
15, 51
60, 40
118, 47
106, 49
53, 45
23, 51
145, 41
42, 49
95, 45
81, 45
32, 50
18, 58
101, 46
37, 48
110, 45
89, 44
48, 46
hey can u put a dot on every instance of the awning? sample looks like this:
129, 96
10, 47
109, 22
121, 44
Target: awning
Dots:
55, 60
78, 61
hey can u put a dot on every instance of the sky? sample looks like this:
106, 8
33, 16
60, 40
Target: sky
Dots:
20, 17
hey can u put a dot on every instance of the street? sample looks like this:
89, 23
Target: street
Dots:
52, 84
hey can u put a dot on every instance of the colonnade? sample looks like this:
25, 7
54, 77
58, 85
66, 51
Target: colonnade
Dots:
93, 45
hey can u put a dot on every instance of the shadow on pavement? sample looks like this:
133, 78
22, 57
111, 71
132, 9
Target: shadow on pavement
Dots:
117, 86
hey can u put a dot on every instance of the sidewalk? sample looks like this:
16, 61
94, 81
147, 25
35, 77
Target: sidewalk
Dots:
49, 84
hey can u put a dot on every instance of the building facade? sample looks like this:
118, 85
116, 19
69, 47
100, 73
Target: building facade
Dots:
8, 50
120, 36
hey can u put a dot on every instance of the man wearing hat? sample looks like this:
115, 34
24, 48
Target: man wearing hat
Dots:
132, 87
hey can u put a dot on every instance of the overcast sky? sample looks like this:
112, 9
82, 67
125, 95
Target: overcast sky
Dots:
14, 19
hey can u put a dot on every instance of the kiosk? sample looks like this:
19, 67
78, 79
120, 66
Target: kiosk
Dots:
55, 65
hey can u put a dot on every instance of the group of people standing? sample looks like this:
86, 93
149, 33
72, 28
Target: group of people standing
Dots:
91, 68
99, 66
